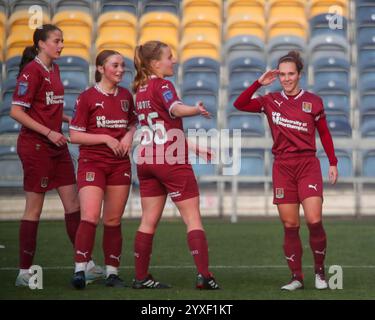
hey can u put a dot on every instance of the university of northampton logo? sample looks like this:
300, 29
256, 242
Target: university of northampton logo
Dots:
90, 176
125, 105
306, 106
279, 193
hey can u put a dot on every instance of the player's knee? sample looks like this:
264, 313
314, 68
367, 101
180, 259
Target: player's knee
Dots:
291, 224
111, 221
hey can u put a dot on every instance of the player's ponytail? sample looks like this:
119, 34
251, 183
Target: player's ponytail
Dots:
292, 56
144, 54
101, 59
32, 51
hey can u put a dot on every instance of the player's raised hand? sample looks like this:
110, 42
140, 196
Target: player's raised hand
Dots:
57, 138
202, 110
268, 77
333, 174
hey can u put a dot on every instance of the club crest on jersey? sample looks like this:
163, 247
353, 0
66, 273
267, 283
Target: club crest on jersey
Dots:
44, 182
90, 176
279, 193
168, 96
22, 88
125, 105
306, 106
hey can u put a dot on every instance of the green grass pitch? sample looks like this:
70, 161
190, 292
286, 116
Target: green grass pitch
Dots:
246, 258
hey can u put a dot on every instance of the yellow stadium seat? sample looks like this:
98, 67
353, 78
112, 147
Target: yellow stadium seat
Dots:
199, 45
246, 24
161, 26
73, 18
17, 41
2, 33
112, 26
22, 18
254, 7
202, 16
206, 33
76, 51
206, 3
117, 19
110, 38
287, 16
329, 6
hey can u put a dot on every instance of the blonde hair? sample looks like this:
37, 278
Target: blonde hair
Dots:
144, 54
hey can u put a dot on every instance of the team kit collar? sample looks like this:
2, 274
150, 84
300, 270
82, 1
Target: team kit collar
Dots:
43, 65
296, 97
98, 88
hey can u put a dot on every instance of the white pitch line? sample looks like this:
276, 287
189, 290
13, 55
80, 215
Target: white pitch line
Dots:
193, 267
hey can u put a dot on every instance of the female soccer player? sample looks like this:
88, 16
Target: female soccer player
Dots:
293, 115
162, 164
38, 105
103, 124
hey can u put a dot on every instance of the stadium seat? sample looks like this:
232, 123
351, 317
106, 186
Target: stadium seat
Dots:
331, 62
250, 124
336, 103
209, 100
198, 122
11, 174
367, 102
73, 5
328, 43
287, 18
161, 26
366, 84
69, 102
344, 166
171, 6
331, 82
250, 67
366, 38
129, 74
324, 6
339, 125
120, 6
252, 162
77, 28
246, 23
279, 46
366, 60
368, 165
74, 70
256, 7
365, 15
200, 45
368, 124
26, 4
320, 24
111, 28
2, 28
201, 64
8, 125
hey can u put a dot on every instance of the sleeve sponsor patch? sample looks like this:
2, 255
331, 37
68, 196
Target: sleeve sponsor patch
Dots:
22, 88
168, 96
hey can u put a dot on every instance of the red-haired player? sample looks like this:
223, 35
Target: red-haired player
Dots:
293, 115
103, 124
162, 166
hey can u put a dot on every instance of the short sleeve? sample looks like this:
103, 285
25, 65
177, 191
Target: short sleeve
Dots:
168, 95
27, 86
81, 114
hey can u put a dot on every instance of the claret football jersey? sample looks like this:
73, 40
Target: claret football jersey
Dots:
98, 112
292, 120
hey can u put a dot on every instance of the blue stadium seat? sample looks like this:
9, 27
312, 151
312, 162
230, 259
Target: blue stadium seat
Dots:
251, 67
368, 124
250, 124
320, 25
209, 101
367, 103
119, 5
252, 162
365, 15
11, 174
337, 103
328, 43
366, 60
366, 38
8, 125
26, 4
74, 80
62, 5
199, 122
69, 102
244, 45
339, 125
281, 45
200, 84
331, 62
171, 6
72, 63
200, 65
344, 166
368, 166
366, 84
329, 82
11, 67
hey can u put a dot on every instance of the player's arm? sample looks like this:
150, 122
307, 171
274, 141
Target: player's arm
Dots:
18, 113
203, 152
127, 141
183, 110
327, 142
245, 102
